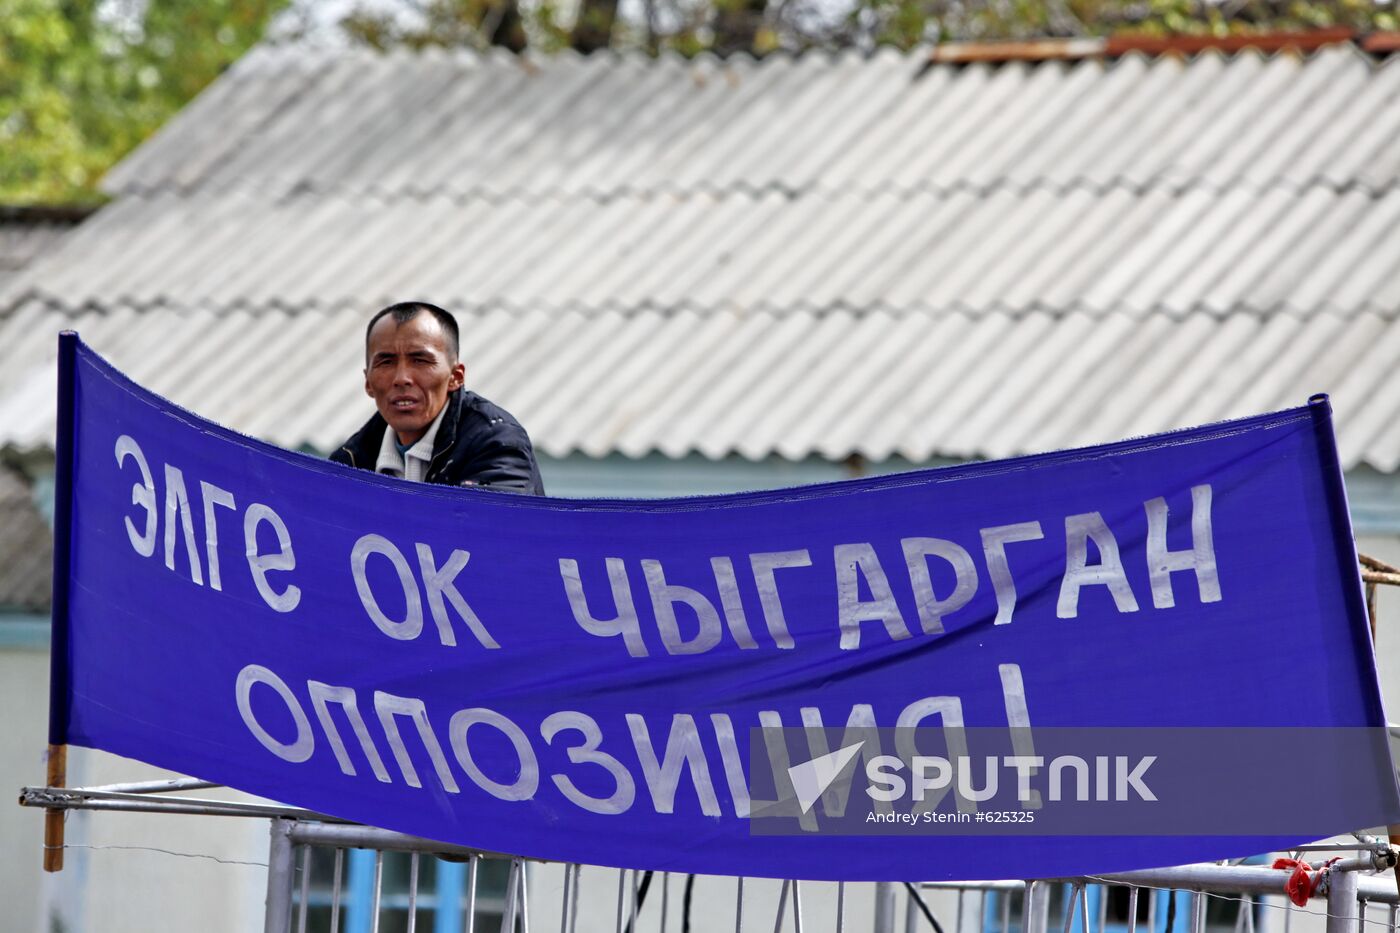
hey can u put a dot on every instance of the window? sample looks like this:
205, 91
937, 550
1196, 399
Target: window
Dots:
443, 888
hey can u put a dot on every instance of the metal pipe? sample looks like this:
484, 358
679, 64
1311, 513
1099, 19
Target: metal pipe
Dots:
1340, 847
474, 865
56, 798
1075, 894
412, 892
1239, 879
782, 906
911, 916
524, 898
1037, 907
841, 907
796, 906
377, 895
665, 897
1197, 912
1132, 909
147, 787
632, 908
335, 890
305, 888
578, 880
1342, 900
621, 889
1247, 911
884, 907
355, 836
512, 886
1223, 879
278, 917
564, 919
1355, 863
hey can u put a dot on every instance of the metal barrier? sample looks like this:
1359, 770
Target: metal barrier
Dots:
1345, 885
483, 892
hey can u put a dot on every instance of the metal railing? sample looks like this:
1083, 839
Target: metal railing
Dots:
1347, 885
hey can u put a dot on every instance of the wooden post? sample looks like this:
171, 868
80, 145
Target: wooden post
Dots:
53, 819
1371, 608
1377, 574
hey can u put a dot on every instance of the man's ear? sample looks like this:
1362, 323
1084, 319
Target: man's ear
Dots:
368, 390
458, 377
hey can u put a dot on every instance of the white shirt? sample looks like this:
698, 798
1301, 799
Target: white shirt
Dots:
413, 464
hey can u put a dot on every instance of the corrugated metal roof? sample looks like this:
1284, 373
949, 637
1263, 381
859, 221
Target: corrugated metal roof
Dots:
1301, 252
826, 255
26, 547
797, 383
465, 126
23, 241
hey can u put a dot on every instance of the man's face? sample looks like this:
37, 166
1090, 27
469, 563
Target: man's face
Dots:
409, 374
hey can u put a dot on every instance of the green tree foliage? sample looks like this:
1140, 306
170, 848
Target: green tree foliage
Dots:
445, 23
902, 23
759, 26
83, 82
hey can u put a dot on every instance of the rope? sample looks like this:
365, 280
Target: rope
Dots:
212, 858
928, 914
641, 899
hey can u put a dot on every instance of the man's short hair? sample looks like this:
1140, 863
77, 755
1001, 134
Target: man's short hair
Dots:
408, 310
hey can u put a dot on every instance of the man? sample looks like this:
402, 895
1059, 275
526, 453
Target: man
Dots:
429, 428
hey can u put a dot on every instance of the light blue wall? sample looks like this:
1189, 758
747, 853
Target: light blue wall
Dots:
657, 475
1374, 497
1375, 501
618, 477
22, 631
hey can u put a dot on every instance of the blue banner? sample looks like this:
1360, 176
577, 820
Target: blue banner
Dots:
591, 680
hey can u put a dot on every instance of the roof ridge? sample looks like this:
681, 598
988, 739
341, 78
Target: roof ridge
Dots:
1031, 50
840, 305
1380, 42
524, 194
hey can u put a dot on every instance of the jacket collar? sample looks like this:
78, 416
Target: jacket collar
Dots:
447, 431
363, 448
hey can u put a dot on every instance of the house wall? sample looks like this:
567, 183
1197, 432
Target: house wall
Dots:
122, 871
24, 702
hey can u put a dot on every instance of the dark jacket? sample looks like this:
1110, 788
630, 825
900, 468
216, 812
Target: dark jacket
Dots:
477, 444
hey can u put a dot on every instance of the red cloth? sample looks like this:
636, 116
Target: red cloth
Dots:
1303, 882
